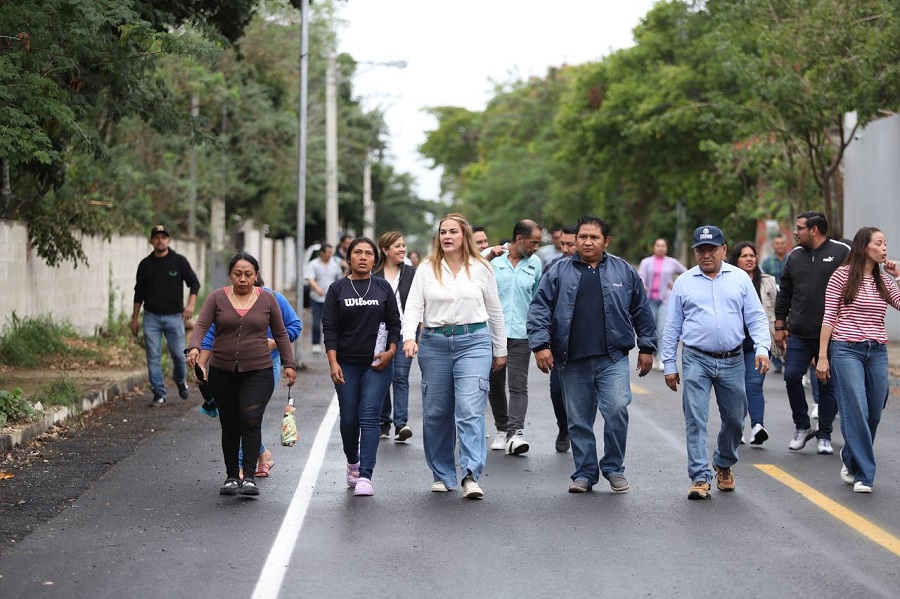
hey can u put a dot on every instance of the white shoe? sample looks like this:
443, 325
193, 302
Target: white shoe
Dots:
846, 475
470, 489
317, 349
517, 445
859, 487
824, 447
758, 435
438, 486
499, 441
801, 436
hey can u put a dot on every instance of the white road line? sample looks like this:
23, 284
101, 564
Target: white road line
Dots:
270, 578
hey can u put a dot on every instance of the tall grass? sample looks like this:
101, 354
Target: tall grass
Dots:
24, 340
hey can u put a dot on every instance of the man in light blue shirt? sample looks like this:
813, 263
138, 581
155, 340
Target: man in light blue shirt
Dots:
518, 273
709, 307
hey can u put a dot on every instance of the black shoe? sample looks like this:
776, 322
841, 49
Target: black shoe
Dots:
230, 487
562, 442
403, 433
385, 430
157, 401
248, 487
183, 391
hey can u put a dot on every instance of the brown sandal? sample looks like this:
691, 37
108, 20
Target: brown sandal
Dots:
262, 470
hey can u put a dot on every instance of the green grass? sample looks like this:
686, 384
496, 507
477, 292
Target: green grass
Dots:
61, 392
25, 340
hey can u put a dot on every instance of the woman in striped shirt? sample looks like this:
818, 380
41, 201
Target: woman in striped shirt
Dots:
856, 300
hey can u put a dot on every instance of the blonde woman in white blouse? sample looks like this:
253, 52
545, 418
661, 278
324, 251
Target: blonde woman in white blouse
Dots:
454, 296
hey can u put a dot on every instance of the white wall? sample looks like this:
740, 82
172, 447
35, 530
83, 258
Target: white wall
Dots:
871, 185
78, 295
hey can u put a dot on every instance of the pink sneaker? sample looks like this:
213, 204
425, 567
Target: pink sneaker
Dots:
364, 488
352, 474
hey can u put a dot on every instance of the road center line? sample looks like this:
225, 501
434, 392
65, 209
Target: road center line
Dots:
848, 517
270, 578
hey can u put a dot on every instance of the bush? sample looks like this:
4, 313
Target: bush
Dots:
24, 340
14, 407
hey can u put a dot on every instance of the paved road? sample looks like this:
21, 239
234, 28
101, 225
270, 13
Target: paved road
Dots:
155, 526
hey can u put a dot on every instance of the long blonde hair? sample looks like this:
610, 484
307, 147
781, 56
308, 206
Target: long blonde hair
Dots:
469, 249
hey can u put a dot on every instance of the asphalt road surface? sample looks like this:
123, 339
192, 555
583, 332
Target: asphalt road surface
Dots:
154, 524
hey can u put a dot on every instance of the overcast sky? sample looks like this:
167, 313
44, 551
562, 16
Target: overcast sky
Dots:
455, 49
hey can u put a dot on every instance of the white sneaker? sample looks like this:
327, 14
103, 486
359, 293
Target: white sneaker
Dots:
859, 487
470, 489
517, 445
499, 441
317, 349
758, 435
846, 475
439, 486
801, 436
825, 447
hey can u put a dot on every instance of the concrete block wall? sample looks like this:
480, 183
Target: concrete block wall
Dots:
79, 295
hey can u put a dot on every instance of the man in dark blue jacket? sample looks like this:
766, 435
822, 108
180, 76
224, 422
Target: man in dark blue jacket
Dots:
584, 318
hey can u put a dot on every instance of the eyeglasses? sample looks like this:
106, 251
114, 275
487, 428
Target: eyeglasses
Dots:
798, 228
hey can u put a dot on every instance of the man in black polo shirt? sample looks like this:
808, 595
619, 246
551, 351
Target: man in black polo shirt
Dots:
161, 277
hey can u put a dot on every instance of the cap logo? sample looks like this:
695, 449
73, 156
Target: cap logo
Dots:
705, 234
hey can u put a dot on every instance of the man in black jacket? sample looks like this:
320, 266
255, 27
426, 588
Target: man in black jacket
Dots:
161, 277
799, 309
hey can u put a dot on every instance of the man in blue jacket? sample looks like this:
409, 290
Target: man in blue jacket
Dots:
584, 318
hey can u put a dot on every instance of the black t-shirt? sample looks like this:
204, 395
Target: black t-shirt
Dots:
352, 312
588, 332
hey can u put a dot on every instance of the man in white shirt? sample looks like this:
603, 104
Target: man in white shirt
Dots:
320, 274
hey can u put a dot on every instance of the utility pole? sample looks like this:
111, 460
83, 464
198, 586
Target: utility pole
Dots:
217, 208
303, 102
368, 204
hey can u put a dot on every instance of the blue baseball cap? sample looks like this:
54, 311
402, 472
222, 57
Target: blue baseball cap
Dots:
708, 235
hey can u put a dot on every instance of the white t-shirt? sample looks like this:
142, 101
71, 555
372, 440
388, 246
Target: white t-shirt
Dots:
324, 274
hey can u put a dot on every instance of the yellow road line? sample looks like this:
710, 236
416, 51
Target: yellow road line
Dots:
637, 390
848, 517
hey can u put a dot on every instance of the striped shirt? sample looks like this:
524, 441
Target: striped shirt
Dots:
863, 319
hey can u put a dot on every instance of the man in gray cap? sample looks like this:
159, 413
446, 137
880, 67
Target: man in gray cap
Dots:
159, 288
709, 307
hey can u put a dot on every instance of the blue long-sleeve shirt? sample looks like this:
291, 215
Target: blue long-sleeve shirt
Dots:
292, 324
710, 314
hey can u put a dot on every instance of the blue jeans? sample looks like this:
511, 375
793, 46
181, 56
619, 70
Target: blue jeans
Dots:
753, 382
658, 309
455, 384
587, 385
701, 374
172, 326
860, 373
317, 308
400, 386
796, 363
359, 399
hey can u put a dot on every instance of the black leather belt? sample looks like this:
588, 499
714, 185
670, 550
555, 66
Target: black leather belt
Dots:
720, 355
448, 330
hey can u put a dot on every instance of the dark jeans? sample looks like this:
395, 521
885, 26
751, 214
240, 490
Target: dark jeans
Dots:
556, 398
511, 418
796, 363
317, 308
242, 398
360, 399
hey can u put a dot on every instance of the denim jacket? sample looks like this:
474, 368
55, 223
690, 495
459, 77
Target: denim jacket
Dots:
624, 301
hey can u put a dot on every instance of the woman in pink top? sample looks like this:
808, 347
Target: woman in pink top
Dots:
856, 300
